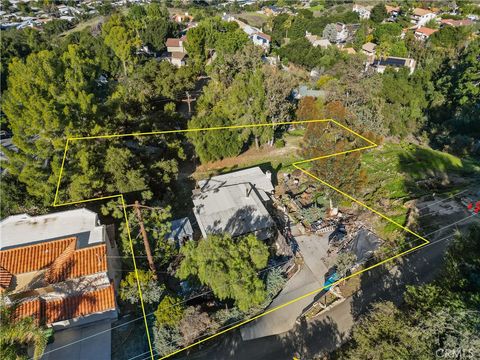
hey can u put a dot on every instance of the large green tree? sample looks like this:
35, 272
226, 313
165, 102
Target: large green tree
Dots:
228, 266
16, 335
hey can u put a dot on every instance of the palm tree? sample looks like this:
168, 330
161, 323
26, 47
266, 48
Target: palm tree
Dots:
15, 334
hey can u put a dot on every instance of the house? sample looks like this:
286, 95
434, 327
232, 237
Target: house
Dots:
423, 33
61, 269
340, 33
182, 18
369, 48
176, 51
181, 231
456, 23
176, 45
257, 36
393, 11
304, 91
363, 11
381, 64
421, 16
261, 39
317, 41
272, 10
235, 203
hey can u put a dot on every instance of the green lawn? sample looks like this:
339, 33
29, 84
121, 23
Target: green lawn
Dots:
394, 169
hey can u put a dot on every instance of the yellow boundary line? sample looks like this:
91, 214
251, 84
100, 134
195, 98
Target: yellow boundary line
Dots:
295, 164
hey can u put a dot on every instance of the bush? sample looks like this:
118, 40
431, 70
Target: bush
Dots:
169, 311
166, 339
279, 143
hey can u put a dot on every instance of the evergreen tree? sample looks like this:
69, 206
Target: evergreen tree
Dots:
217, 262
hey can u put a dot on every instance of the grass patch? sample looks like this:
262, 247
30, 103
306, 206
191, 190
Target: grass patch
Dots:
393, 171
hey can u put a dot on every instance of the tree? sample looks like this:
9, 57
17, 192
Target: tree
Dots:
56, 27
17, 334
166, 339
378, 13
388, 32
157, 226
274, 282
122, 41
195, 323
344, 262
169, 312
217, 260
151, 290
309, 108
48, 99
386, 334
330, 33
340, 171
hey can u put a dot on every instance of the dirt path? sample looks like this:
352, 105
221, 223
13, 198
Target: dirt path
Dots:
253, 156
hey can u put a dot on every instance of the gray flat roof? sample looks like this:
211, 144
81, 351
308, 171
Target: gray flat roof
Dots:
235, 209
255, 176
23, 229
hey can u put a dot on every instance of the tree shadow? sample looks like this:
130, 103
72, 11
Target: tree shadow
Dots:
426, 171
388, 281
313, 338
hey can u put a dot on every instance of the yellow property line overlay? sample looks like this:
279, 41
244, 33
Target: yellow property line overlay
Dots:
295, 164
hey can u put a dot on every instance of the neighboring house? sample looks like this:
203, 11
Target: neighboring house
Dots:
363, 11
423, 33
272, 10
393, 11
456, 23
336, 33
303, 91
395, 62
60, 269
235, 203
178, 59
176, 45
256, 35
261, 39
181, 18
369, 48
181, 231
421, 16
176, 51
316, 41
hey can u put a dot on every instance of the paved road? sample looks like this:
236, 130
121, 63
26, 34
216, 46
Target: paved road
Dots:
329, 330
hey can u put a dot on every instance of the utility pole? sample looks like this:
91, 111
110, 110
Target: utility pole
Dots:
189, 100
148, 251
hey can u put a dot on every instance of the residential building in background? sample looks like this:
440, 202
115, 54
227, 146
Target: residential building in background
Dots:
421, 16
176, 51
363, 11
423, 33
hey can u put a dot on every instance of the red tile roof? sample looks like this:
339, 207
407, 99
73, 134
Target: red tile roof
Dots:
174, 42
5, 278
80, 262
421, 12
50, 311
462, 22
34, 257
426, 31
